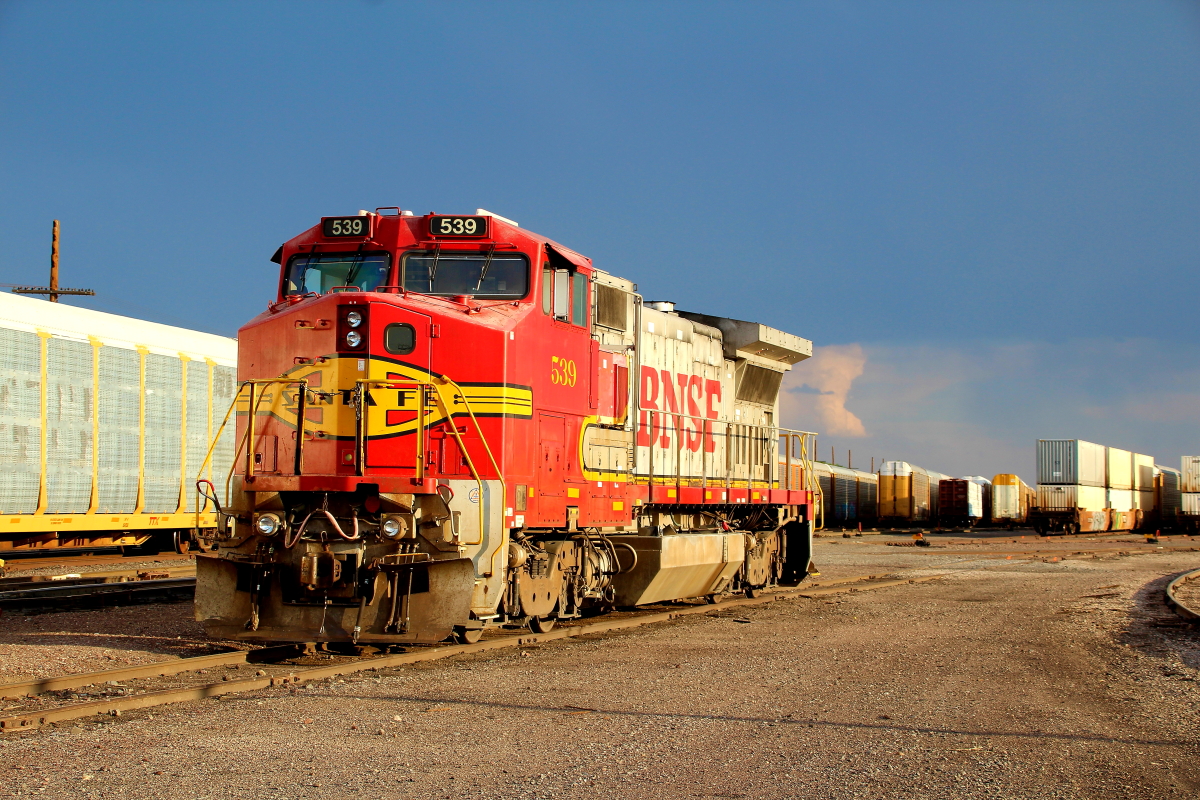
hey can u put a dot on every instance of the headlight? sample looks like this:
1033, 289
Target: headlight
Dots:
392, 527
354, 319
354, 338
267, 524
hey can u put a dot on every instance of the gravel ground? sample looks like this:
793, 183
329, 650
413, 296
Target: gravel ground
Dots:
85, 641
1008, 679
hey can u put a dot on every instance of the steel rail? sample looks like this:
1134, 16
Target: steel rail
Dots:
32, 720
1182, 609
12, 691
39, 599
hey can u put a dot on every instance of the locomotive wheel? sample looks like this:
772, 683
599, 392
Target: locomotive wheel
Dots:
467, 635
541, 624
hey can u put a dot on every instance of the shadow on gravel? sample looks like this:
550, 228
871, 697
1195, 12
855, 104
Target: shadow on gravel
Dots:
781, 721
1156, 629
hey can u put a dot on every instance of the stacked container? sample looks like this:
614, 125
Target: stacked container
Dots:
1072, 492
1189, 498
1119, 464
1143, 485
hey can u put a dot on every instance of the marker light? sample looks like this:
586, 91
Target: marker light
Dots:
354, 319
353, 338
392, 527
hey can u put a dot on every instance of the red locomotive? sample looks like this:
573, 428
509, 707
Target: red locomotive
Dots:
450, 422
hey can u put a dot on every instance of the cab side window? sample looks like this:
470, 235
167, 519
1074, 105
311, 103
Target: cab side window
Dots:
547, 289
579, 303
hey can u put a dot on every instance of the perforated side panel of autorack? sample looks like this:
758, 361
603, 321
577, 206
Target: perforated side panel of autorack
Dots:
164, 400
20, 421
224, 384
68, 426
196, 419
120, 381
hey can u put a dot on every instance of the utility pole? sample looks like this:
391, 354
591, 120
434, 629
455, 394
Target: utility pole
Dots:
53, 290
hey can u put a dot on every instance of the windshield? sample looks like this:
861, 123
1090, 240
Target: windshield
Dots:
504, 277
321, 272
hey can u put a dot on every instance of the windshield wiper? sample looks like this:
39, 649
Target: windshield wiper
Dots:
486, 264
359, 260
437, 253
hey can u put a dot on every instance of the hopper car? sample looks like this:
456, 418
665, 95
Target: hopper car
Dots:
448, 422
104, 424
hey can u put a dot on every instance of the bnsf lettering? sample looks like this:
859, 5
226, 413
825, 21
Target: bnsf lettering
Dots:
680, 399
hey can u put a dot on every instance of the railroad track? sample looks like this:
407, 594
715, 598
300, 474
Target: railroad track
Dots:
1185, 609
187, 679
39, 594
19, 562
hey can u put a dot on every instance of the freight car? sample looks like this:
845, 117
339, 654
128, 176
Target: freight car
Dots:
104, 424
1084, 486
848, 496
450, 422
1011, 500
1189, 498
904, 494
960, 502
1168, 499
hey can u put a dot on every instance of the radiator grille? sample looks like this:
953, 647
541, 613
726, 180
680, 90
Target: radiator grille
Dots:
611, 307
758, 385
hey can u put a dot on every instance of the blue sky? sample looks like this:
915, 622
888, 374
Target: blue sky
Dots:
997, 204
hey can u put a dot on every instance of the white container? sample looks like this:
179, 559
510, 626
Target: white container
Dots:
1190, 503
1143, 472
1088, 498
1143, 500
1120, 499
1191, 474
1119, 468
1071, 462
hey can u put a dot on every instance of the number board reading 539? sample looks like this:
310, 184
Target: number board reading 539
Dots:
458, 226
332, 227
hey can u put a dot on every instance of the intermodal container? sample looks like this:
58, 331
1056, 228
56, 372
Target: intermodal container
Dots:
1143, 472
1189, 503
1191, 474
1120, 499
1119, 465
1070, 462
1058, 497
1143, 500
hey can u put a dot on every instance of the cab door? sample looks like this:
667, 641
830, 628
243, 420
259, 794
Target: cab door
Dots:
552, 442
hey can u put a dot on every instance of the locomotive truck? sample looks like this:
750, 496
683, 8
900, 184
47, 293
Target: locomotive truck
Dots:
446, 423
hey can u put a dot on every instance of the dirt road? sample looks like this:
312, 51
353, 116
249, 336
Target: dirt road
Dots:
1006, 679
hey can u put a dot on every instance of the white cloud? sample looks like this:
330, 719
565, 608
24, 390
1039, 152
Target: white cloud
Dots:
824, 384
